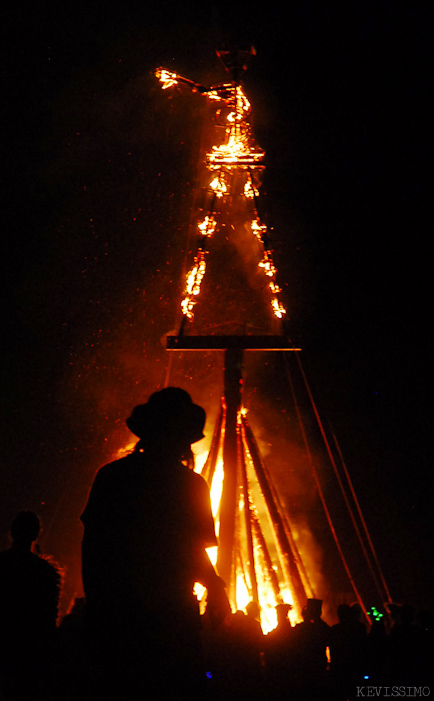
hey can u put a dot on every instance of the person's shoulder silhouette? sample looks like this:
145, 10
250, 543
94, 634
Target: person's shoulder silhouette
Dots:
29, 584
148, 518
30, 588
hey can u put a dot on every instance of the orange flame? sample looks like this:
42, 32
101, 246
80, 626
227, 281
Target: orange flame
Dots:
207, 226
166, 78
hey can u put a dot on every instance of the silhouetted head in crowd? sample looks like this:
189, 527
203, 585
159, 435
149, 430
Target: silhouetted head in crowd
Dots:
313, 610
169, 422
252, 609
25, 530
344, 613
282, 611
238, 620
355, 612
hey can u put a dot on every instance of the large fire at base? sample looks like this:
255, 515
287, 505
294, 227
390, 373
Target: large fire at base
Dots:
259, 570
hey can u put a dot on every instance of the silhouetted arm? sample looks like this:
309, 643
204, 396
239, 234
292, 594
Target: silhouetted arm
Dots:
217, 598
205, 573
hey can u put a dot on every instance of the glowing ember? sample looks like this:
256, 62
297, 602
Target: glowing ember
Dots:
258, 229
267, 264
278, 309
194, 278
166, 78
250, 191
219, 186
207, 226
125, 450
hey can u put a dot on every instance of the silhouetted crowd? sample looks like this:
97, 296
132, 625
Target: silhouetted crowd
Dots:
309, 661
138, 632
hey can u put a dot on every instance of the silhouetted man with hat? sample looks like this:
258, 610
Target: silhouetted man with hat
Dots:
147, 523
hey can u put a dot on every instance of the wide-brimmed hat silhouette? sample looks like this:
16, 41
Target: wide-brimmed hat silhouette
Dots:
169, 412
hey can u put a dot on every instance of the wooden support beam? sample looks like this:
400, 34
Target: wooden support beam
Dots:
216, 343
233, 384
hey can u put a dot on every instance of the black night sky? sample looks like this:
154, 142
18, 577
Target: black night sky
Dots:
100, 167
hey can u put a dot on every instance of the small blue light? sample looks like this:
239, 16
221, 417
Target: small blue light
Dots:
366, 676
209, 675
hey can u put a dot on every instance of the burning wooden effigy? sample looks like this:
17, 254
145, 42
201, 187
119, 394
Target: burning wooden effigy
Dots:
258, 554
